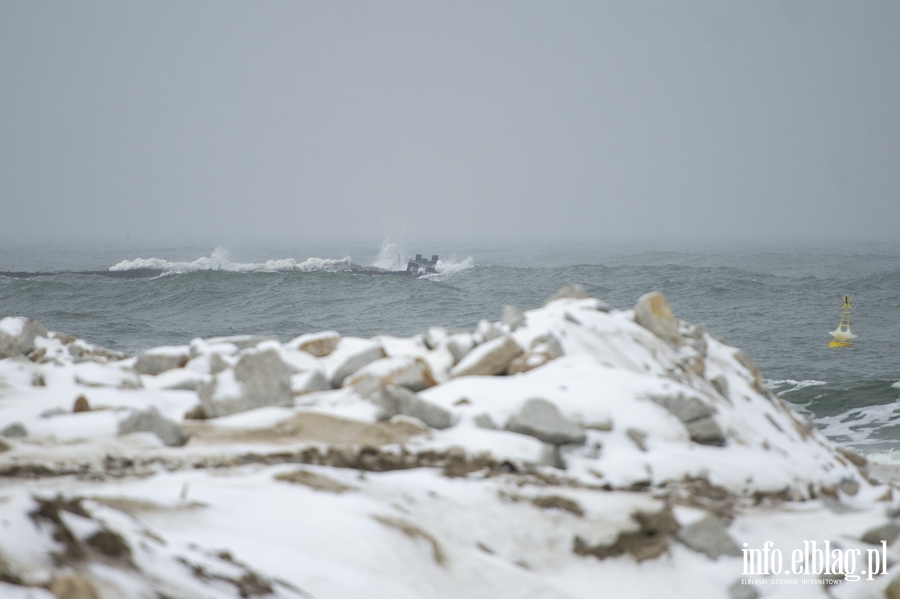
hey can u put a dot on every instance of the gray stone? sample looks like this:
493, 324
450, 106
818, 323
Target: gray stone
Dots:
720, 384
541, 419
393, 400
739, 590
265, 380
710, 536
217, 363
354, 362
576, 291
459, 345
512, 317
312, 381
551, 456
17, 336
489, 358
684, 408
886, 532
706, 431
155, 363
151, 421
410, 372
488, 331
484, 420
696, 416
434, 336
14, 431
652, 312
549, 345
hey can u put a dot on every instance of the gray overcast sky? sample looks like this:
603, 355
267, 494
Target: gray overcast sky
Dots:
210, 122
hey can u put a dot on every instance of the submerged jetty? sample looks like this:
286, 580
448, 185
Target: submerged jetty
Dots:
553, 452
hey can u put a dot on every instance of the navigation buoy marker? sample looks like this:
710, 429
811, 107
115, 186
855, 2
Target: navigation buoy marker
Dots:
842, 335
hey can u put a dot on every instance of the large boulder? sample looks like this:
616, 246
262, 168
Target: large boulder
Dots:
696, 417
259, 379
709, 535
489, 358
317, 344
459, 345
542, 350
652, 312
161, 359
353, 362
393, 400
541, 419
410, 372
17, 335
311, 381
151, 421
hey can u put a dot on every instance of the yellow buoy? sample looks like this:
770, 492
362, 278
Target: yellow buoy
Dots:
842, 335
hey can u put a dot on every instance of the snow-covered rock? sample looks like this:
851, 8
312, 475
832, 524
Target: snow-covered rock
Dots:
489, 358
161, 359
259, 379
316, 344
621, 452
17, 336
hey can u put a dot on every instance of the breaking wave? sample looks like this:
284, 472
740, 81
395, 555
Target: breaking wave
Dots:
788, 385
390, 257
218, 260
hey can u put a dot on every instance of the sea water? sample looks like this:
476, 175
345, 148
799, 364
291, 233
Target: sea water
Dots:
776, 303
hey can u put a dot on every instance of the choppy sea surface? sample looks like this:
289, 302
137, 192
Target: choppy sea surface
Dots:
776, 303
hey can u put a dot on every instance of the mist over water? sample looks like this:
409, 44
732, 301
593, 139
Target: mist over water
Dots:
777, 305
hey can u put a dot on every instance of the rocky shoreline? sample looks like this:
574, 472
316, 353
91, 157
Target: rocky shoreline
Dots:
552, 453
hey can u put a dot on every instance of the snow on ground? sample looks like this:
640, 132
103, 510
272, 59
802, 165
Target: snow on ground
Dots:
614, 453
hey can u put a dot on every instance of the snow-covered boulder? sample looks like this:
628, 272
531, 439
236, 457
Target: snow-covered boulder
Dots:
259, 379
541, 419
393, 401
151, 421
410, 372
17, 336
161, 359
353, 360
489, 358
653, 312
316, 344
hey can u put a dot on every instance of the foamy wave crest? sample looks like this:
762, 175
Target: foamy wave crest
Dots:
218, 260
447, 268
390, 256
868, 426
788, 385
896, 385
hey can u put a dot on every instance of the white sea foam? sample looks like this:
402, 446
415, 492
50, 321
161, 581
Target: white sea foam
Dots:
856, 425
887, 458
896, 385
391, 255
218, 260
788, 385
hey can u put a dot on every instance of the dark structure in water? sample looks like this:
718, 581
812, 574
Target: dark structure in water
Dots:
422, 266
